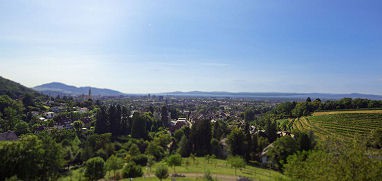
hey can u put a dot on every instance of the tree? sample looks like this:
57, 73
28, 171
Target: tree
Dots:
95, 168
164, 116
31, 158
134, 150
125, 121
184, 147
334, 161
21, 128
236, 162
114, 163
138, 129
235, 141
102, 121
249, 115
77, 125
174, 160
271, 130
131, 170
281, 149
305, 141
201, 137
161, 172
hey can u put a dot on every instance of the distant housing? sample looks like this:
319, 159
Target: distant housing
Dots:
8, 136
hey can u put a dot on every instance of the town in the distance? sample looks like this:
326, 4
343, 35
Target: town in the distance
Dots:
61, 132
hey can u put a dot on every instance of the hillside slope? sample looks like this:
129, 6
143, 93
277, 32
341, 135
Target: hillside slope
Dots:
14, 89
340, 125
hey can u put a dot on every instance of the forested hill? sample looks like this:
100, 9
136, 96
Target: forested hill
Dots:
57, 88
14, 89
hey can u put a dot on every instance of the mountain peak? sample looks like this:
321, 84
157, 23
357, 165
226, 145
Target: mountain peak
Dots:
58, 88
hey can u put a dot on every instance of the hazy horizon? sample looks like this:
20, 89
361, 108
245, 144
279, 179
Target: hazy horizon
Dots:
152, 47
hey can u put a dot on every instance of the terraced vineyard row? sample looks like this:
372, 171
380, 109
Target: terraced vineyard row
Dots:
341, 126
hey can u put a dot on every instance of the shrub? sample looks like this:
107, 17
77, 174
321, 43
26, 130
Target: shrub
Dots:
140, 159
131, 170
95, 168
161, 172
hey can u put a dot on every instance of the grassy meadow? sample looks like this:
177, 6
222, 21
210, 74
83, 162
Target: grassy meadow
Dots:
195, 169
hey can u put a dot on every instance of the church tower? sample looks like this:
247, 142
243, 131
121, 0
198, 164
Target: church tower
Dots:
90, 93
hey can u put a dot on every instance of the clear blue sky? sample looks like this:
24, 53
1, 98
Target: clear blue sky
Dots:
154, 46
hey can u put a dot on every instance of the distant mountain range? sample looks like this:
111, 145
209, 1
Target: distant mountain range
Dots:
268, 95
57, 88
14, 89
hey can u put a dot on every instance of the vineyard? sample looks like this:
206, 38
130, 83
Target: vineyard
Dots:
342, 126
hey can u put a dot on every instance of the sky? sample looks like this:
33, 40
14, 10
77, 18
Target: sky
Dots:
325, 46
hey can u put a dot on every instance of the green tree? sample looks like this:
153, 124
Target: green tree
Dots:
164, 116
77, 125
95, 168
184, 147
236, 162
131, 170
134, 150
174, 160
281, 149
161, 172
200, 137
271, 130
114, 163
235, 141
21, 128
102, 121
138, 129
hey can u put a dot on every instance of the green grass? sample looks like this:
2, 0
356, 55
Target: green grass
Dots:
195, 170
342, 126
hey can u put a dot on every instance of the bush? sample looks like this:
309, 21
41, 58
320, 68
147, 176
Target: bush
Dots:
140, 159
161, 172
131, 170
95, 168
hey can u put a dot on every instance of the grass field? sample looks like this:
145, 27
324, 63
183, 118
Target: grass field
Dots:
342, 125
219, 169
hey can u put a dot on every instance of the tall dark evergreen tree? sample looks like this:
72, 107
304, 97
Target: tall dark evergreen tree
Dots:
115, 120
126, 121
164, 116
201, 137
138, 128
102, 122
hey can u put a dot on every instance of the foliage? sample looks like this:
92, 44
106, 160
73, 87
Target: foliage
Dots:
236, 162
236, 141
131, 170
30, 158
113, 163
201, 137
140, 159
139, 129
334, 162
174, 160
375, 138
95, 168
161, 172
281, 149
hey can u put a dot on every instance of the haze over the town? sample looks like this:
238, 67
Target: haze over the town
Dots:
159, 46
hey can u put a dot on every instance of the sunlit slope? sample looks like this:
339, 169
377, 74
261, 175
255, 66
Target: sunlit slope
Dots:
342, 125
